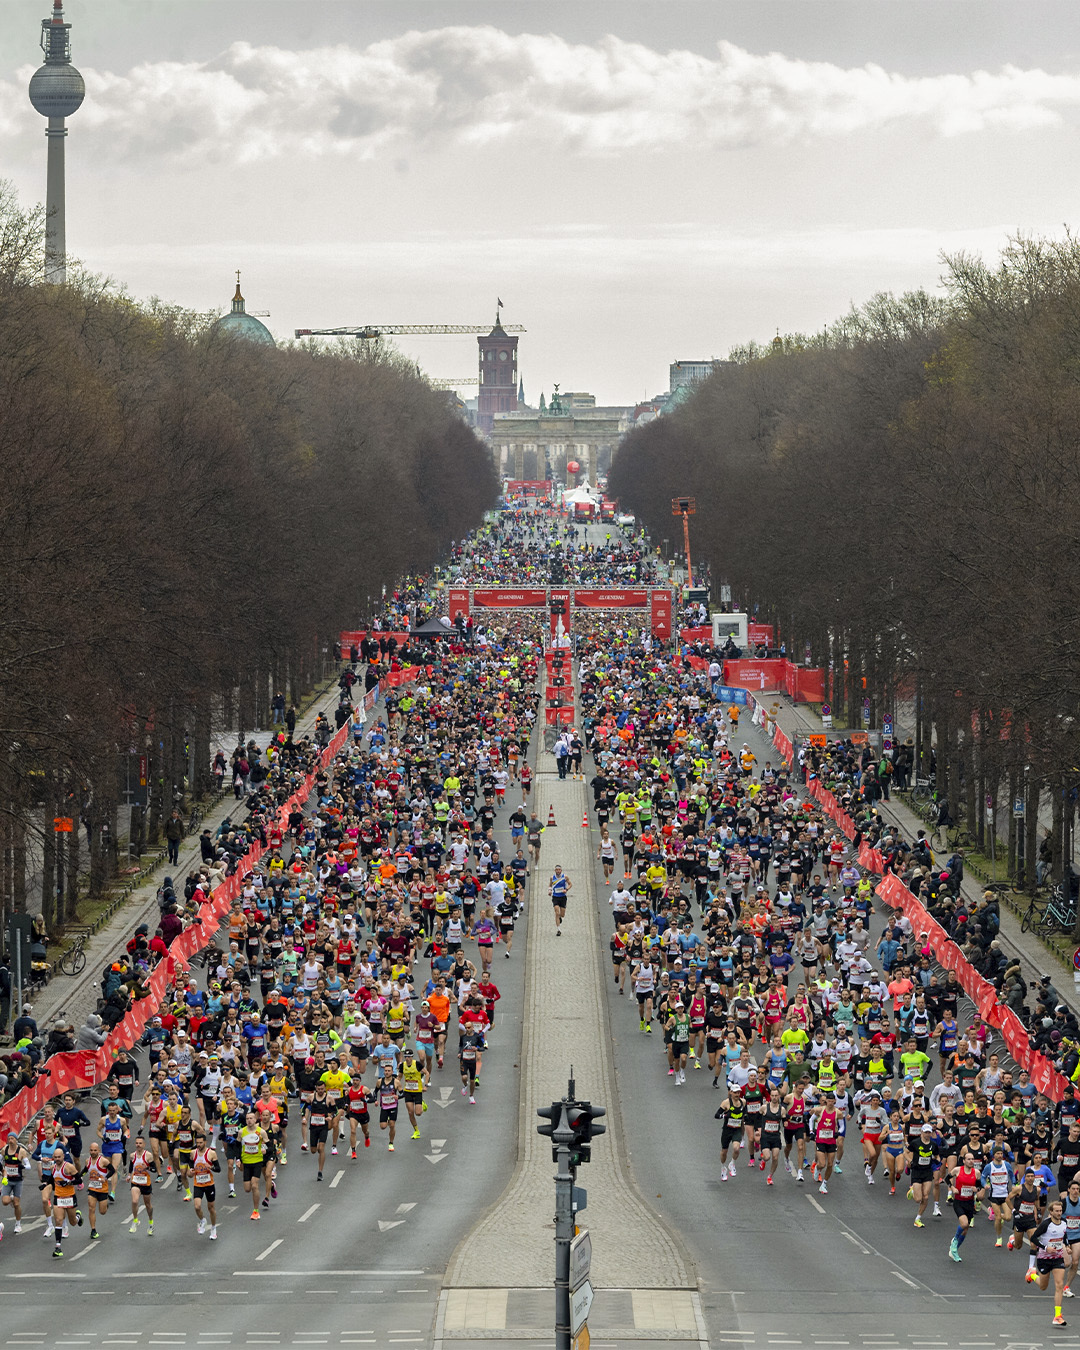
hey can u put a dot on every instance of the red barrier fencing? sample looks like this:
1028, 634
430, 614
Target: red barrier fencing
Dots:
981, 992
84, 1069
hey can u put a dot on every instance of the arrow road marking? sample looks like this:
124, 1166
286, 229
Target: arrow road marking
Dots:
386, 1224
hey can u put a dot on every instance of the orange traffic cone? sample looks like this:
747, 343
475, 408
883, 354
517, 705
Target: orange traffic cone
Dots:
584, 820
551, 815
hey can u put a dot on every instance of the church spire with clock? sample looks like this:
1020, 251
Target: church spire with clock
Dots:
498, 372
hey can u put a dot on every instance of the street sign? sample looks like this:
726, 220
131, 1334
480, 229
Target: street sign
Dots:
580, 1258
826, 710
886, 742
866, 716
1018, 808
580, 1302
581, 1340
579, 1199
886, 726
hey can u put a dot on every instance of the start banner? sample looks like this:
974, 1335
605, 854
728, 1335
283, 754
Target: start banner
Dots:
597, 599
487, 597
459, 604
528, 487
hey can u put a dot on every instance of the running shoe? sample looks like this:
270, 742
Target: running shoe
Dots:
57, 1252
303, 1148
892, 1190
837, 1167
1011, 1244
150, 1229
390, 1147
823, 1189
415, 1135
731, 1168
213, 1234
255, 1216
284, 1159
319, 1177
266, 1202
18, 1226
911, 1193
472, 1102
1059, 1321
998, 1243
918, 1222
954, 1250
273, 1192
768, 1181
201, 1227
1029, 1275
1067, 1292
670, 1072
78, 1218
354, 1153
367, 1142
723, 1172
94, 1234
134, 1226
187, 1196
937, 1210
799, 1176
333, 1151
424, 1108
761, 1164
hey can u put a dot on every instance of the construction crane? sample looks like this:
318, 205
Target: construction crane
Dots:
453, 384
373, 331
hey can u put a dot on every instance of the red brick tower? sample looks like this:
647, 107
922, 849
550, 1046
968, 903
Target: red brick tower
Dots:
498, 375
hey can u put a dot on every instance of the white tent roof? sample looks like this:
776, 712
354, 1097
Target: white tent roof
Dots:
580, 494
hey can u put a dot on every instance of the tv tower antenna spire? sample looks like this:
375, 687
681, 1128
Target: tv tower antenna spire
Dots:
56, 91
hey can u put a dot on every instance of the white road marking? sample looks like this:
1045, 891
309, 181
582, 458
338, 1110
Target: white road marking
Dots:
308, 1213
386, 1224
815, 1204
404, 1209
905, 1279
273, 1247
94, 1246
855, 1241
436, 1157
48, 1275
337, 1179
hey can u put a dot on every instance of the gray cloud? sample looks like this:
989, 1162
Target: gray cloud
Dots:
470, 87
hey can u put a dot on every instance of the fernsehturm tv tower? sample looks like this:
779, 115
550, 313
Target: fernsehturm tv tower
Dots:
56, 91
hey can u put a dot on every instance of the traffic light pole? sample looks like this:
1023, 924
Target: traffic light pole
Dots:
564, 1233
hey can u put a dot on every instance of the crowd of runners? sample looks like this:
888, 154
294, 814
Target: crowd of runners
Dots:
749, 944
360, 956
356, 968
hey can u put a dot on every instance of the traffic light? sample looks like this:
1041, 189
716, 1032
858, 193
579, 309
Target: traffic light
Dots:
582, 1118
553, 1116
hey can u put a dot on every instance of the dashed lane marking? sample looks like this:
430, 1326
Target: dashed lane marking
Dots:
337, 1179
309, 1212
272, 1248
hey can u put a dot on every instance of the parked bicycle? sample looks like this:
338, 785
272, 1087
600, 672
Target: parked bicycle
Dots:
73, 960
923, 790
194, 820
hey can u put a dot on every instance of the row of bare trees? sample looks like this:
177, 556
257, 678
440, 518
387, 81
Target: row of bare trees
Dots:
187, 519
901, 496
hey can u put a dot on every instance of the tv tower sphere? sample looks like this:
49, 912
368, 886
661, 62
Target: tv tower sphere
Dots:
56, 91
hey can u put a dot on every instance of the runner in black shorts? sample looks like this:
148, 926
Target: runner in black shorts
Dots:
319, 1114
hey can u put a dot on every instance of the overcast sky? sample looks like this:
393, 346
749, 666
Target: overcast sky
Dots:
640, 181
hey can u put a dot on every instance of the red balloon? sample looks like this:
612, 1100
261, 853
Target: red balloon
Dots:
572, 466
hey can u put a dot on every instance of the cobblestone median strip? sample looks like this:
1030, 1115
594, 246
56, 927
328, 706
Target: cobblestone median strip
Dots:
512, 1247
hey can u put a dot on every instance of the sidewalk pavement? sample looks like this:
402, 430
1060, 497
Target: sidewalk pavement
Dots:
74, 998
500, 1279
1036, 959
